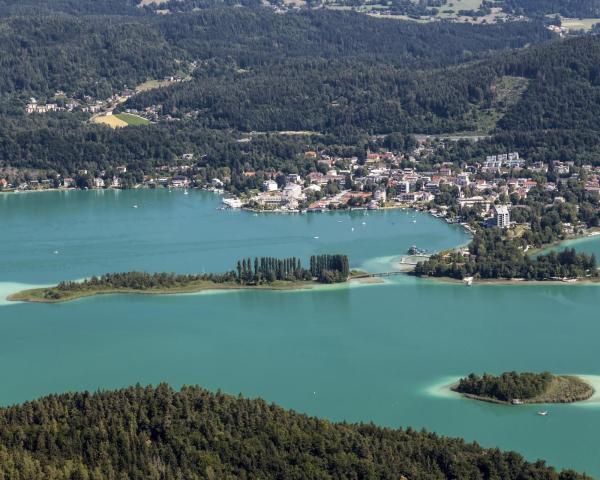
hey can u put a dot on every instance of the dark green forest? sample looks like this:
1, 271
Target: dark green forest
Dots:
159, 433
310, 94
45, 52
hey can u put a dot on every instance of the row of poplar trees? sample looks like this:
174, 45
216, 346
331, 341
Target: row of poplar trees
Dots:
323, 268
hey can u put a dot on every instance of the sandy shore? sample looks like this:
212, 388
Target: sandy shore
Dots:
37, 295
368, 280
594, 382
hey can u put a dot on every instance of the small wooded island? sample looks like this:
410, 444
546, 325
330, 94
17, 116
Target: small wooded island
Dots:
517, 388
261, 273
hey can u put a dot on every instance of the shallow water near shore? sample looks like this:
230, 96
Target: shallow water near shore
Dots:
358, 352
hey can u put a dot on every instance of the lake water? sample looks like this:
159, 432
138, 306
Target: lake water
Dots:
358, 353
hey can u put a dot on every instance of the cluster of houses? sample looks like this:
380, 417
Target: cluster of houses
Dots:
62, 103
559, 30
380, 182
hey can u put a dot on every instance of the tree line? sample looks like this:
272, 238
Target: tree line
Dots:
324, 268
506, 386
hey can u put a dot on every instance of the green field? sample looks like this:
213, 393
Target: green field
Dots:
579, 23
151, 85
132, 119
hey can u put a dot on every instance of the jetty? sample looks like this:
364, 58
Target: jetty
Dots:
378, 274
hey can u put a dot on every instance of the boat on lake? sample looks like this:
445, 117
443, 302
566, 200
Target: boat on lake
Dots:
543, 413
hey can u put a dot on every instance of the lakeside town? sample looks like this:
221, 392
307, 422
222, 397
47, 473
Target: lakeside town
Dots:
383, 179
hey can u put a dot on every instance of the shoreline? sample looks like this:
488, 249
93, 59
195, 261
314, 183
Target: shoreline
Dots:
589, 233
508, 281
33, 295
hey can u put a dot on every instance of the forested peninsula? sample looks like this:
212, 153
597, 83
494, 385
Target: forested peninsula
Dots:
159, 433
261, 273
518, 388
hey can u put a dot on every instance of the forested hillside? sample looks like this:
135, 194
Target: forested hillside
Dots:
81, 54
563, 92
341, 75
95, 56
158, 433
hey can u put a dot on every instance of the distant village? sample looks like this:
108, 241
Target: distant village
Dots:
383, 179
61, 102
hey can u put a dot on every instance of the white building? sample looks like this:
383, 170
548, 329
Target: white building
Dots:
270, 199
416, 197
269, 185
232, 202
403, 186
380, 195
292, 191
313, 188
502, 216
472, 201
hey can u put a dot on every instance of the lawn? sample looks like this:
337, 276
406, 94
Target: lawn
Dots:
149, 2
110, 120
129, 119
151, 85
579, 23
120, 120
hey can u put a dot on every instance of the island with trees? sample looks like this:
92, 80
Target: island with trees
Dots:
261, 273
160, 433
518, 388
493, 256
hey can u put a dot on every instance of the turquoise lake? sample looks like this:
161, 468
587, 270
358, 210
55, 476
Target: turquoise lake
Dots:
375, 353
